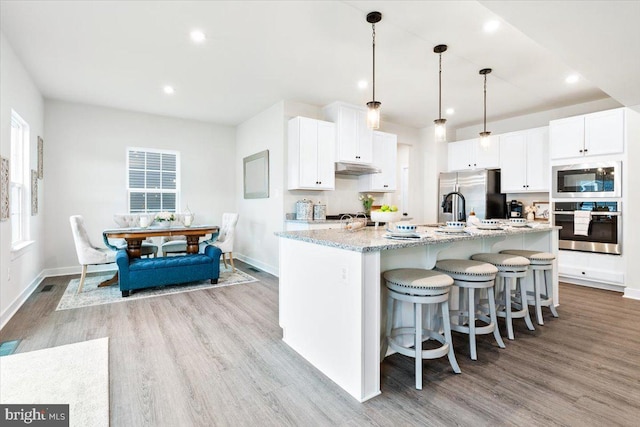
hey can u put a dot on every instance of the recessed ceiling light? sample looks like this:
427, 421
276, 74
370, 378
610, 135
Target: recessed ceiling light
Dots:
491, 26
573, 78
363, 84
169, 90
198, 36
450, 111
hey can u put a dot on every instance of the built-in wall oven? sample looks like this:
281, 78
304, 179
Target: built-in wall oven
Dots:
588, 180
599, 230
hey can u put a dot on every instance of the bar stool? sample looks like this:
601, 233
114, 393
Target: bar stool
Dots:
470, 275
511, 270
419, 287
541, 263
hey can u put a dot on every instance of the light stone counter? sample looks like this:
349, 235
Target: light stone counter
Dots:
370, 239
332, 304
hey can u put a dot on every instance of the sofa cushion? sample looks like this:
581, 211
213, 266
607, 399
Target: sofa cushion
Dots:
168, 262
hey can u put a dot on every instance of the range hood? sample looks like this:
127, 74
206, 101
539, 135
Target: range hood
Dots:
345, 168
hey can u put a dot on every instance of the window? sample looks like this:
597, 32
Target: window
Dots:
153, 183
19, 177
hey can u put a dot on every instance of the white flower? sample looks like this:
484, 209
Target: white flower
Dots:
165, 216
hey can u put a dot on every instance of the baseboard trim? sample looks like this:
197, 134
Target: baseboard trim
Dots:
257, 264
631, 293
590, 284
17, 303
68, 271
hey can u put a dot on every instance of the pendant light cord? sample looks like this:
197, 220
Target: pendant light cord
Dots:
440, 88
485, 103
373, 27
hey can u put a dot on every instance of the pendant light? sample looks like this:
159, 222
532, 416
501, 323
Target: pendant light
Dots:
441, 127
484, 135
373, 115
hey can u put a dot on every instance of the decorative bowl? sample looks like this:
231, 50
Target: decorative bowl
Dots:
518, 221
455, 225
379, 216
489, 222
405, 228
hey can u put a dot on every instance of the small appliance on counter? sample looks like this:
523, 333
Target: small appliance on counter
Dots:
304, 210
515, 209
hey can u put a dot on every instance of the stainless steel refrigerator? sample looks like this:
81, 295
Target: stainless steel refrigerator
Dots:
461, 192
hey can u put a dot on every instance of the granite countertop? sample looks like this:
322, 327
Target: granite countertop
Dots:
370, 239
314, 221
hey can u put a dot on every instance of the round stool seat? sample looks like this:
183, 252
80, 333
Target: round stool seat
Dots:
512, 268
535, 257
416, 281
467, 270
504, 262
541, 264
420, 288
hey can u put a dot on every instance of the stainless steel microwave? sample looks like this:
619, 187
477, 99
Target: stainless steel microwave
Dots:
602, 179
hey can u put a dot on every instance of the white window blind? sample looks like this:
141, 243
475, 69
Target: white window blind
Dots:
19, 179
153, 183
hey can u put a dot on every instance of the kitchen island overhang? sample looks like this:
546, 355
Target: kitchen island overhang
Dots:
331, 290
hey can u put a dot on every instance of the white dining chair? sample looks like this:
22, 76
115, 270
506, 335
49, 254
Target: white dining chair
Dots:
224, 239
88, 254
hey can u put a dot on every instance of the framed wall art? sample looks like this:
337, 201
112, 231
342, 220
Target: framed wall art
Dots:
34, 192
40, 158
256, 176
4, 189
541, 211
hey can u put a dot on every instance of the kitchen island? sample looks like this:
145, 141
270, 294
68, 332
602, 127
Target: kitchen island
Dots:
331, 289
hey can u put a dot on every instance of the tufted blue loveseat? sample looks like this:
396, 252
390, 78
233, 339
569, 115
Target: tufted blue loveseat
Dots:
139, 273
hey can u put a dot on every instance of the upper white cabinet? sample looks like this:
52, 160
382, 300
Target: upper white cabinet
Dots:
588, 135
385, 153
524, 161
469, 154
354, 140
311, 150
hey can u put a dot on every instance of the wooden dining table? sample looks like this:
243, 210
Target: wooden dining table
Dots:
136, 235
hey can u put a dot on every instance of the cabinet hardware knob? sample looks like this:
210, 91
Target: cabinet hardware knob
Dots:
581, 151
586, 149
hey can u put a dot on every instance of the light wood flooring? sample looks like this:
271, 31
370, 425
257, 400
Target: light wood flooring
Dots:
215, 358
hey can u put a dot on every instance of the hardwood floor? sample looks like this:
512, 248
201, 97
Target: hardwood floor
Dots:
215, 357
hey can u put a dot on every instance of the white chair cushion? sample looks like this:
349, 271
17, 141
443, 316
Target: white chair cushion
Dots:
535, 257
467, 267
502, 260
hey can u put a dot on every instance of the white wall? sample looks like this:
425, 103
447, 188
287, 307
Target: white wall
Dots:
631, 243
20, 94
85, 168
259, 218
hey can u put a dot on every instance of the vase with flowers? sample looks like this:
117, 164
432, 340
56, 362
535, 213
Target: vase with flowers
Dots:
367, 201
530, 211
164, 219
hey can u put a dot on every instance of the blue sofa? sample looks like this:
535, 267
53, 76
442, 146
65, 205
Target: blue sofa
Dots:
139, 273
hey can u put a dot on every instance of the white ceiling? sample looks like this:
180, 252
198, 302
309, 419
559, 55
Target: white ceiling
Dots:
121, 53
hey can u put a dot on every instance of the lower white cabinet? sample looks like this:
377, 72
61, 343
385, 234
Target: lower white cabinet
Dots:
311, 154
596, 270
385, 154
524, 161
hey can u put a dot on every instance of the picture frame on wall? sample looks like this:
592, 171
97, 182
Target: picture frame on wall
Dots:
4, 189
40, 158
256, 176
34, 192
541, 211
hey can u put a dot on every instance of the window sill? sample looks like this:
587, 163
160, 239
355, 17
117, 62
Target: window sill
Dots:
21, 248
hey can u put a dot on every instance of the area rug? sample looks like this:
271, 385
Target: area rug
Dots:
92, 295
74, 374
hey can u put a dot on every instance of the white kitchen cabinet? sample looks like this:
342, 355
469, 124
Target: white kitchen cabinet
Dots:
592, 134
354, 140
311, 150
385, 154
469, 154
524, 161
